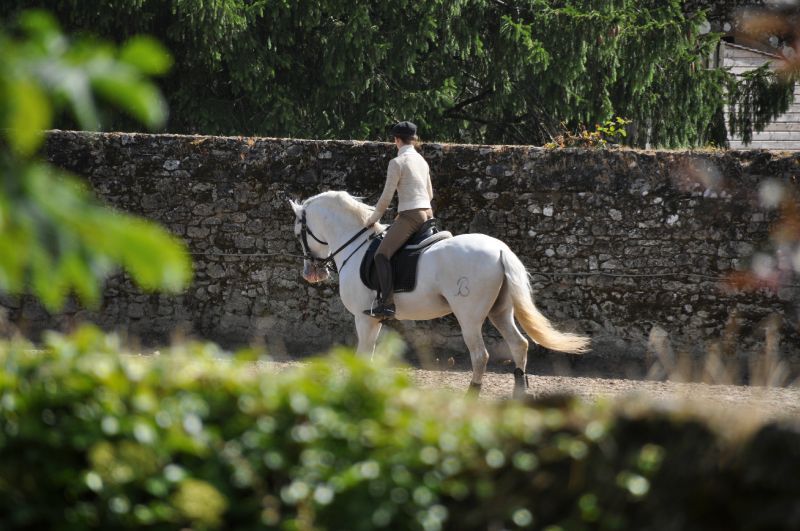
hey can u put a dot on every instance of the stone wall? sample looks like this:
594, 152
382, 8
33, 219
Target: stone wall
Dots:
618, 241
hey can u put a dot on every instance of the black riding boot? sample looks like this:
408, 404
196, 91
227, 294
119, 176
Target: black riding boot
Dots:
385, 306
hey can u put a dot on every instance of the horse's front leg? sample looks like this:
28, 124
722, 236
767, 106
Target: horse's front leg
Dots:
367, 329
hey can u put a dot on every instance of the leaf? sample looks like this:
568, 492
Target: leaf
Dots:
14, 253
139, 241
40, 25
76, 241
140, 99
147, 55
49, 287
75, 88
75, 270
28, 116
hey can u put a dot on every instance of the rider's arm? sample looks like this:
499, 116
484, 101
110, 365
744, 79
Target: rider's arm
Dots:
392, 178
430, 188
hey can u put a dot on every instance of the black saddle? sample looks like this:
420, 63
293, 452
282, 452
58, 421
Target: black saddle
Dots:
404, 261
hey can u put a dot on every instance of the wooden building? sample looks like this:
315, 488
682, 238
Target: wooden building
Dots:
784, 132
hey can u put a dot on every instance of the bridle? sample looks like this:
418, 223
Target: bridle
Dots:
305, 232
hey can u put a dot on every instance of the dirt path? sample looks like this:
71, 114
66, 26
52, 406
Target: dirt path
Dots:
762, 402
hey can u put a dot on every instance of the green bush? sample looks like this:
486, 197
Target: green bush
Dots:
90, 438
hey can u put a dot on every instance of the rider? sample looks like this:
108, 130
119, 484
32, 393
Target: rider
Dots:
408, 174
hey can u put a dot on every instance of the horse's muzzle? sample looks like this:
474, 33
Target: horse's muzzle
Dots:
313, 273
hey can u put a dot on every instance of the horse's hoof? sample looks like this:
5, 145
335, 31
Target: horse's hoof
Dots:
474, 389
519, 393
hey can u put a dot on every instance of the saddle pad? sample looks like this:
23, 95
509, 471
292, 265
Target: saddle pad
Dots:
404, 261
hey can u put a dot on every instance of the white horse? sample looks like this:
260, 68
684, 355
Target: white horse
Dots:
473, 276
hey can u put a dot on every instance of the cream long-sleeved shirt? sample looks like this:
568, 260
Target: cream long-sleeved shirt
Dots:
409, 175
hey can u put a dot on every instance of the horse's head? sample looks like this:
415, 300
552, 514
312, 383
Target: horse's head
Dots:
315, 250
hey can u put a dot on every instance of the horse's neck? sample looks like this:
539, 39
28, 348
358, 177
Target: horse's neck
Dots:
341, 226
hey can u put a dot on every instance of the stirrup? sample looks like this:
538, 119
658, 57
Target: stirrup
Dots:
381, 311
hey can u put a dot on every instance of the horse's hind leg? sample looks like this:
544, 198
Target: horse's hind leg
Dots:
502, 317
471, 319
477, 352
471, 301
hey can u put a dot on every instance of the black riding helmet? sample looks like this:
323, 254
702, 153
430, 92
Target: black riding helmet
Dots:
404, 129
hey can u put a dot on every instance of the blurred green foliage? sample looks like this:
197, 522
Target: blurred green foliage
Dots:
483, 71
55, 238
91, 438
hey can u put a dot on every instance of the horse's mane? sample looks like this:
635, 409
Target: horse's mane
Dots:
347, 201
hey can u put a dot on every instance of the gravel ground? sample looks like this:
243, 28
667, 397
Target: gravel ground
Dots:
763, 403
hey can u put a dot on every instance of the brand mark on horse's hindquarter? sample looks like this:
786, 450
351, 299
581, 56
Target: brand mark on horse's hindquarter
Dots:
463, 287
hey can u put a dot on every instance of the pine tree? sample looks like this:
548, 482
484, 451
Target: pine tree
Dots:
487, 71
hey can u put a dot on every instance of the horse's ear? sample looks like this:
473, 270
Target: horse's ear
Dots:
296, 207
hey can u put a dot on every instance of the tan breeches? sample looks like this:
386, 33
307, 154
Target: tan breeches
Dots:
405, 225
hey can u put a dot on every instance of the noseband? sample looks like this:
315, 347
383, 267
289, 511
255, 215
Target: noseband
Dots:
305, 232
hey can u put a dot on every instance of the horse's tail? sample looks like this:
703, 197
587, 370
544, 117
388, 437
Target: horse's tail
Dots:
535, 324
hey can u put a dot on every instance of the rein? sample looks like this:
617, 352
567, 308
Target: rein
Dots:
371, 237
325, 262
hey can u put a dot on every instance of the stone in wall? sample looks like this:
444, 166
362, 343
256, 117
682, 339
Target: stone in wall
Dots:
617, 241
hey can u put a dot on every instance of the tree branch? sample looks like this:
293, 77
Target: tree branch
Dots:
457, 107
